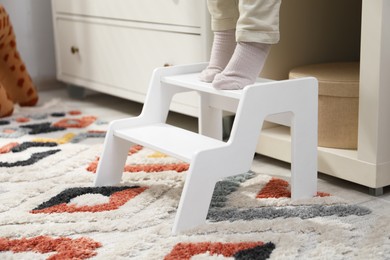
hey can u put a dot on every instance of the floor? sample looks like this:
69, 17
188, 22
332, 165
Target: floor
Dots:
110, 108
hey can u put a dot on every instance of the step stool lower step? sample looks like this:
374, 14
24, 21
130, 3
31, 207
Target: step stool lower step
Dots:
168, 139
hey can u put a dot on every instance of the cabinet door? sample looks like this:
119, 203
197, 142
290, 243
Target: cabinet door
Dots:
120, 57
174, 12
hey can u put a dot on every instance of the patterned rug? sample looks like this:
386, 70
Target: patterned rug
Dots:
50, 210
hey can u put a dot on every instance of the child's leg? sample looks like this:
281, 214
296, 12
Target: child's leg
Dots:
14, 76
257, 29
224, 16
223, 47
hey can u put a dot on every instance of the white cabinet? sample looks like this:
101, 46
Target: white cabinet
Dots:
113, 48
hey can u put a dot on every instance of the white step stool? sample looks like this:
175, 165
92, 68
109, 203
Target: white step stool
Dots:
210, 158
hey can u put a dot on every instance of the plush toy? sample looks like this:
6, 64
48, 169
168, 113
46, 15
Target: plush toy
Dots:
16, 85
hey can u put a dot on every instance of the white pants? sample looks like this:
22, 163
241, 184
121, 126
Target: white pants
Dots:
254, 20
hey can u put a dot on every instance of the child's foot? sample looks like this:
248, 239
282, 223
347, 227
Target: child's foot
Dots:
244, 66
223, 47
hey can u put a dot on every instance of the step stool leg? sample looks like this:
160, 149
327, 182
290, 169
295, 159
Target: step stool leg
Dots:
197, 192
194, 203
112, 160
304, 156
210, 119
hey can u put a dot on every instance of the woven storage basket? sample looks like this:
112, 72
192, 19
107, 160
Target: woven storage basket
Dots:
338, 102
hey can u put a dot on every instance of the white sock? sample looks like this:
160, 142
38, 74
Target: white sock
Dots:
244, 66
222, 50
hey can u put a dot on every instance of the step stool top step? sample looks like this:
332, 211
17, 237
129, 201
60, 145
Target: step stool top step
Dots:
168, 139
191, 81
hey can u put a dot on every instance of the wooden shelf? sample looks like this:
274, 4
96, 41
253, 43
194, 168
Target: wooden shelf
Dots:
369, 165
275, 142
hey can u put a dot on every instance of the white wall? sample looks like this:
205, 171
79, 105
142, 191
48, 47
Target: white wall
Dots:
33, 26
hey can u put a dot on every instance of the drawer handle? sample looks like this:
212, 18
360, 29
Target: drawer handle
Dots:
74, 50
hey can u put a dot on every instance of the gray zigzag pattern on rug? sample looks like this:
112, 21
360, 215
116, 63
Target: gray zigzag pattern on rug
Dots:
35, 157
229, 185
224, 188
303, 212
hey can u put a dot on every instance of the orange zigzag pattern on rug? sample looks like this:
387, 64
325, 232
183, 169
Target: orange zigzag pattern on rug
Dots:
8, 147
65, 248
185, 251
75, 122
278, 188
178, 167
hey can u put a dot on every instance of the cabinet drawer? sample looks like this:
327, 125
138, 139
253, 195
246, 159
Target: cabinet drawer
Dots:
175, 12
118, 56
